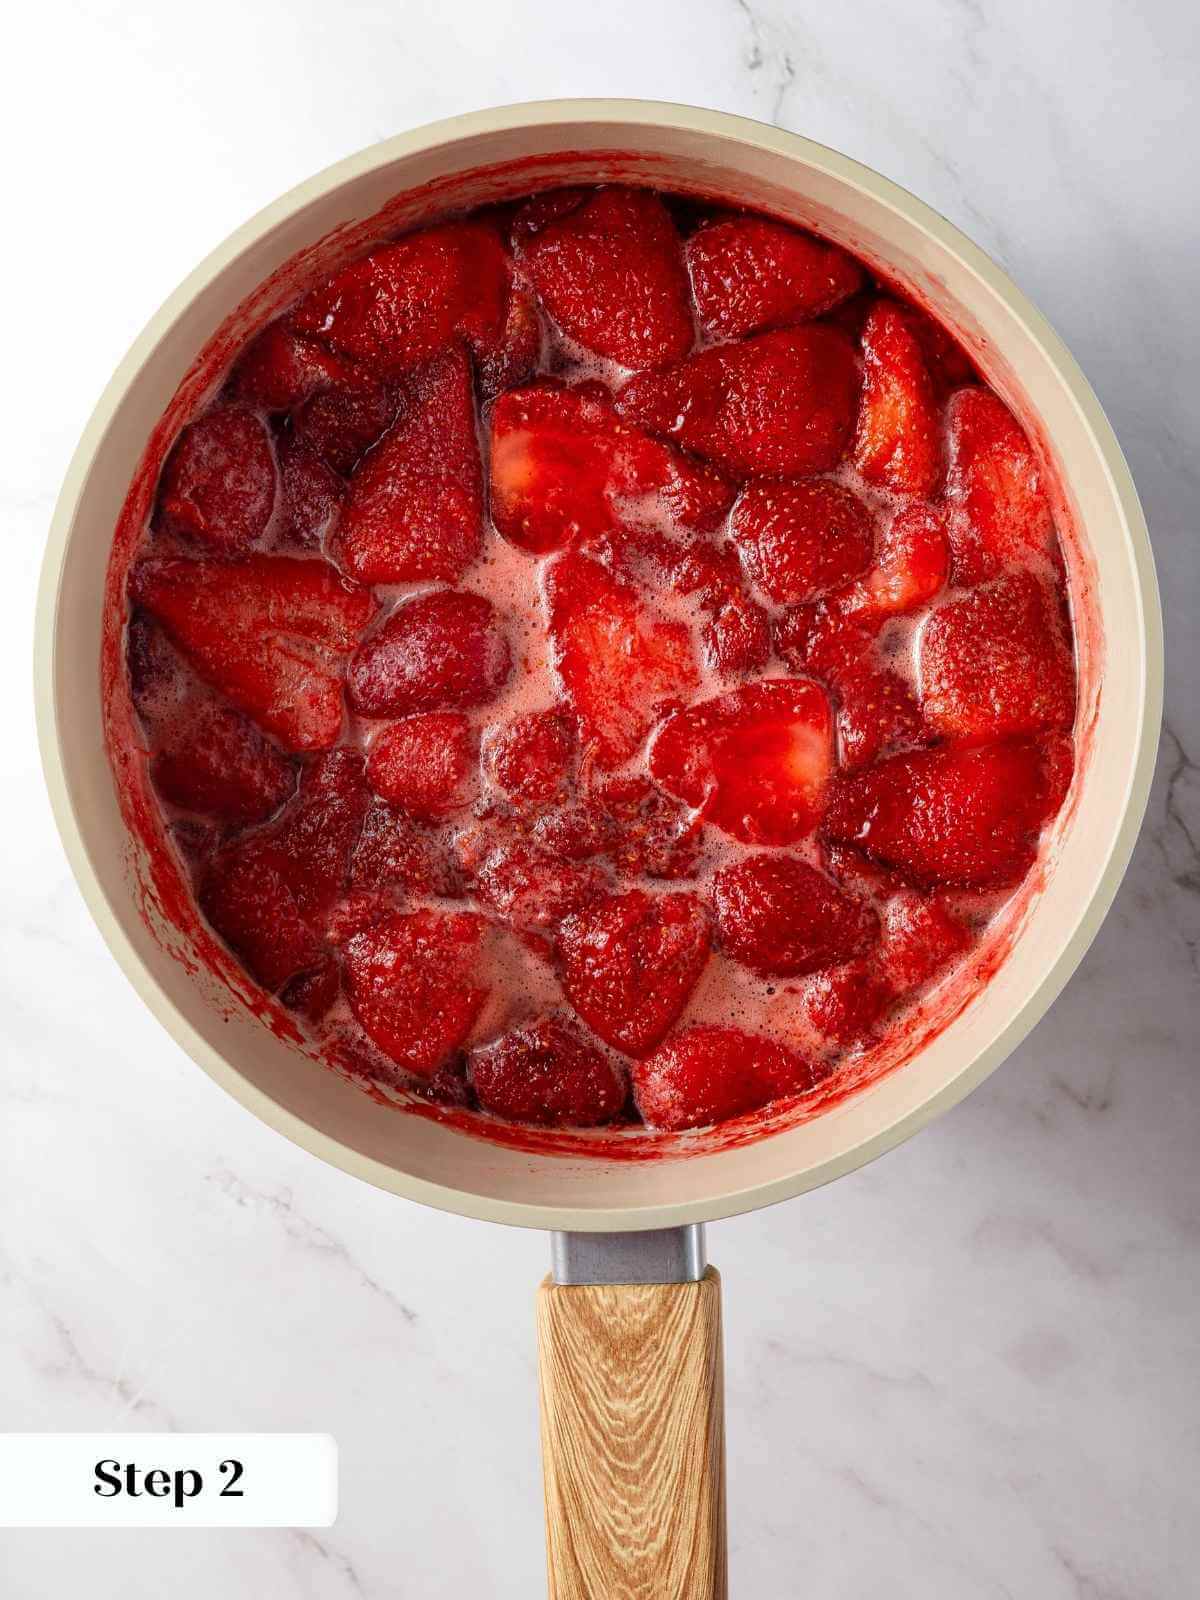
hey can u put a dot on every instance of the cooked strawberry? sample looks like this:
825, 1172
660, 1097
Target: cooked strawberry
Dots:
999, 514
631, 962
911, 566
394, 854
737, 641
564, 467
532, 890
513, 357
781, 403
897, 440
249, 897
445, 650
846, 1003
544, 1073
415, 504
921, 937
800, 540
996, 663
215, 761
754, 761
530, 757
542, 209
281, 368
877, 713
321, 828
964, 817
268, 892
575, 833
269, 632
948, 364
749, 274
705, 1075
781, 917
206, 756
822, 639
650, 834
405, 301
312, 994
618, 666
414, 983
610, 272
310, 494
425, 764
340, 424
218, 484
357, 910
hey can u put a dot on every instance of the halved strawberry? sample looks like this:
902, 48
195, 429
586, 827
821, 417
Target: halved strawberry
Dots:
846, 1003
967, 817
403, 302
214, 761
544, 1073
218, 484
564, 467
339, 424
705, 1075
268, 892
822, 639
631, 962
948, 364
999, 513
206, 757
415, 984
512, 358
530, 889
921, 937
415, 504
877, 713
425, 764
619, 667
737, 641
897, 441
530, 757
996, 663
310, 494
781, 403
357, 910
269, 632
911, 566
749, 274
575, 833
781, 917
248, 895
445, 650
754, 761
801, 540
396, 855
280, 368
610, 272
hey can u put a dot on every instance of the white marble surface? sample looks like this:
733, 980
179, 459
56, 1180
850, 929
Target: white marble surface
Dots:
966, 1373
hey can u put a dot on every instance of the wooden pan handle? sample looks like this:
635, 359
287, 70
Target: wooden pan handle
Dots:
633, 1440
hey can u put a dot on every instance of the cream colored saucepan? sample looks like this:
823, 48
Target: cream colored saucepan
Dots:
629, 1326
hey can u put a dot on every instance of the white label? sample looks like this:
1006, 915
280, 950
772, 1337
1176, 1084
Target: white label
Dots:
168, 1480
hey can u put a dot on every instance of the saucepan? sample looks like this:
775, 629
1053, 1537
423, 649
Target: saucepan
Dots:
629, 1321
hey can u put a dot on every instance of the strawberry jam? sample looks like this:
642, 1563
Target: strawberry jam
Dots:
603, 661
